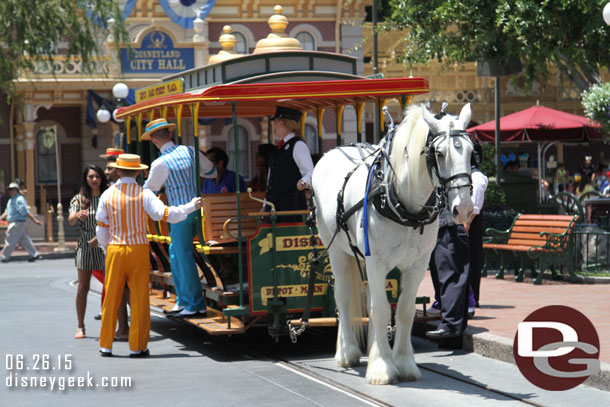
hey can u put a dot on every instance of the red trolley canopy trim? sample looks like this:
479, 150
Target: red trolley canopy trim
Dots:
255, 100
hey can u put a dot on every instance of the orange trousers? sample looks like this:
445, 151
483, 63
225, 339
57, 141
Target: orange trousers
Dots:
131, 264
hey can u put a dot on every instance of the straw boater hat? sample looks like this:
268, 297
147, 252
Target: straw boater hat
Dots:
112, 152
128, 162
156, 125
13, 185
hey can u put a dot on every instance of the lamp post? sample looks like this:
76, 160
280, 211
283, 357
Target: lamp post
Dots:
109, 108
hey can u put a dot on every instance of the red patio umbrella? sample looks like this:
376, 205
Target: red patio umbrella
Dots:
539, 123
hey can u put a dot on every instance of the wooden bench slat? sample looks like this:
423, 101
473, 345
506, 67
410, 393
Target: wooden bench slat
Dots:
516, 248
501, 246
525, 242
537, 230
527, 236
545, 218
542, 224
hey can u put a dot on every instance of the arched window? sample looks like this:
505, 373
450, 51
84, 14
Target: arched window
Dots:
241, 46
244, 151
307, 41
311, 138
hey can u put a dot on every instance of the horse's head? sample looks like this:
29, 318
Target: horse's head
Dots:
449, 150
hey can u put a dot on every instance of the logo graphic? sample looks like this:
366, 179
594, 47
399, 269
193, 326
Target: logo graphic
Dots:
157, 39
556, 348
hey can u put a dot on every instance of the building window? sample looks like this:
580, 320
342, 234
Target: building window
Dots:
311, 138
46, 164
244, 151
241, 46
307, 41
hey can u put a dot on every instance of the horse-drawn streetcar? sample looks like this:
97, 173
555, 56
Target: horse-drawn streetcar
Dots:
272, 259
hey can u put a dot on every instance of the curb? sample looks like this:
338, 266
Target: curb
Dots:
44, 256
501, 348
593, 280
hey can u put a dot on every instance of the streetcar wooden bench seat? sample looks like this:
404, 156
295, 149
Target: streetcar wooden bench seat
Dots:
531, 239
220, 231
220, 220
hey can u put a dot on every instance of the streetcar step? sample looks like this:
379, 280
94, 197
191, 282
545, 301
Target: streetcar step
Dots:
214, 323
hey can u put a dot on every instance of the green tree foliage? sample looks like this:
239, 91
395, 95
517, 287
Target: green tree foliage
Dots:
567, 34
34, 31
495, 197
596, 102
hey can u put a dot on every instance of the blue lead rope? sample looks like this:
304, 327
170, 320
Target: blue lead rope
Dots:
365, 218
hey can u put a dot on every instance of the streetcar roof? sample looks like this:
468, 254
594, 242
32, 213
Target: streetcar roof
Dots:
261, 99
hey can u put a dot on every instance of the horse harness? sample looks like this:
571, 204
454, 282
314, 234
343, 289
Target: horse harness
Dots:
386, 202
384, 196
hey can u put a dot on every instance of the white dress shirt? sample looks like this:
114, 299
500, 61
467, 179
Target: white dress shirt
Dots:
479, 185
159, 171
153, 206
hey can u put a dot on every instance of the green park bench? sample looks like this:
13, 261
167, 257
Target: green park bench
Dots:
542, 239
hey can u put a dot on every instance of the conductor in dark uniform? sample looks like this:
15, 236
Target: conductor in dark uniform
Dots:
290, 166
449, 268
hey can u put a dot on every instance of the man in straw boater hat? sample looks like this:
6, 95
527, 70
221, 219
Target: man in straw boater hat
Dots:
290, 166
110, 171
121, 232
175, 170
16, 214
111, 156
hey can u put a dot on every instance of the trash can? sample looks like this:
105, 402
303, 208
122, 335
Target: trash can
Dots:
521, 192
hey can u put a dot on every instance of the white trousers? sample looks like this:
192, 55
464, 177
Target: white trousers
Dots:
16, 233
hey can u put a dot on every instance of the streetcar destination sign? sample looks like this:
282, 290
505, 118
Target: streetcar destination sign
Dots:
164, 89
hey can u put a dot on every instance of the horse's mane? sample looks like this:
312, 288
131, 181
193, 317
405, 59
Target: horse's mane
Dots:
410, 136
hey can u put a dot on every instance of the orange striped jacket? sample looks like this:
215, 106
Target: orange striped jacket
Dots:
124, 207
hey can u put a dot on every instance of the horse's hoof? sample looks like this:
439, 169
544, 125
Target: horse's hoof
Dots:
407, 369
348, 359
380, 372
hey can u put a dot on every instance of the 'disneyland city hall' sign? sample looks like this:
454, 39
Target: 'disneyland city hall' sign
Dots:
157, 54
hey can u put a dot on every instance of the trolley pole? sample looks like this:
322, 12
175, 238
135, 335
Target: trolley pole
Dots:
376, 127
240, 256
497, 133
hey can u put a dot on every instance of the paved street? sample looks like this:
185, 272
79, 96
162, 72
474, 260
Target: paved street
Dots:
189, 368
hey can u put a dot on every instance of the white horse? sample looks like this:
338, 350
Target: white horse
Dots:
419, 163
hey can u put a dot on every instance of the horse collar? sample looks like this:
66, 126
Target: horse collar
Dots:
389, 206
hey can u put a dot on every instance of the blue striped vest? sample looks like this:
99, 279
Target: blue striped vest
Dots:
180, 184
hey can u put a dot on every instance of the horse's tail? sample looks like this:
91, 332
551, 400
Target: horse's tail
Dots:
357, 309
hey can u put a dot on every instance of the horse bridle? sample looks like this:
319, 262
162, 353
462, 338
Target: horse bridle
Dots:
432, 163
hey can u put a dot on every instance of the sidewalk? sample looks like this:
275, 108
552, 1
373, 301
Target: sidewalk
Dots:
505, 303
46, 250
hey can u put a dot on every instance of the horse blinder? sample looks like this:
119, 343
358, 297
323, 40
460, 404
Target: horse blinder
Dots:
432, 162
